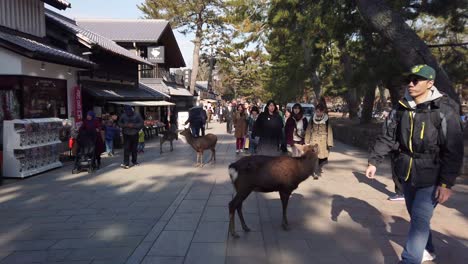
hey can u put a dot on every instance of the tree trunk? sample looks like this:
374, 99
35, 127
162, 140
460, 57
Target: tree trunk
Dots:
410, 48
210, 74
351, 97
196, 59
352, 102
368, 104
316, 85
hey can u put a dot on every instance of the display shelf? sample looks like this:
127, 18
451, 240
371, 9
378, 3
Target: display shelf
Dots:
30, 146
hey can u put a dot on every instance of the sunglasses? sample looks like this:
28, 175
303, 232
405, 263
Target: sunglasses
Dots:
413, 79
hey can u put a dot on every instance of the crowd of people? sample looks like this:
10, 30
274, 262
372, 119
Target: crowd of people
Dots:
110, 130
268, 130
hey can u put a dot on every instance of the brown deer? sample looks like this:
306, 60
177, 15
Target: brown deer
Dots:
200, 144
270, 174
167, 135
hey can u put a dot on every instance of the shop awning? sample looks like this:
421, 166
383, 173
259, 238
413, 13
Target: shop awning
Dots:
119, 92
143, 103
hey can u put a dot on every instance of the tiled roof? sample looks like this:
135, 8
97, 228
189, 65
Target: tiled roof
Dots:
177, 90
94, 39
36, 50
170, 89
59, 4
157, 85
125, 30
156, 92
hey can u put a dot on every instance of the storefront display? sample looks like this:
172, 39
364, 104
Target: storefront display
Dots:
44, 98
30, 146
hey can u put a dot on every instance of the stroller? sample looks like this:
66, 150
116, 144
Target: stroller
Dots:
86, 153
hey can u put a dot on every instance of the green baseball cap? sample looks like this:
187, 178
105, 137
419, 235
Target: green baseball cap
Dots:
423, 70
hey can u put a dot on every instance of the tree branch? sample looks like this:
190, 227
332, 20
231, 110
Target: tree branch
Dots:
448, 45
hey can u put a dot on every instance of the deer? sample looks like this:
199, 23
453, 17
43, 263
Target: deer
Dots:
281, 174
200, 144
167, 135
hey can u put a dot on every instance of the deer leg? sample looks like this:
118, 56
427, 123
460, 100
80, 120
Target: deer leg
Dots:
233, 205
213, 154
160, 146
172, 148
201, 159
241, 218
284, 200
197, 164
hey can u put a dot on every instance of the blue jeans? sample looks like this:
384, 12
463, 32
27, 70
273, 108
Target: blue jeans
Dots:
195, 131
141, 146
109, 145
420, 203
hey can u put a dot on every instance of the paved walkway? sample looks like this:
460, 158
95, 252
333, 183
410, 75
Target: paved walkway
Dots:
167, 211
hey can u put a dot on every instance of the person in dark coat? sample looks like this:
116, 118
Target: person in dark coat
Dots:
131, 123
269, 129
92, 125
426, 126
195, 120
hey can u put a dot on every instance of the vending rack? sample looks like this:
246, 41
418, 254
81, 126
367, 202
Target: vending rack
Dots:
30, 146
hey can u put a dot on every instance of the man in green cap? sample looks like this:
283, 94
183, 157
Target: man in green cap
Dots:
426, 128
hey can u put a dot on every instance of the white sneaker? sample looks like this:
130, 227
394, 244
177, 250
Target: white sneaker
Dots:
428, 256
237, 151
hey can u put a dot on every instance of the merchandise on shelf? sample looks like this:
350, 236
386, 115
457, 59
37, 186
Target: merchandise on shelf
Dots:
30, 146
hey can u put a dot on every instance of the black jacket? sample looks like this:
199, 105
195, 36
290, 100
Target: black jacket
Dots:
429, 139
268, 128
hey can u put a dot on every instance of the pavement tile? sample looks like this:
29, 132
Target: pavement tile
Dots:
183, 221
163, 260
117, 253
206, 253
27, 245
248, 244
211, 232
219, 200
191, 206
247, 260
44, 256
216, 213
172, 244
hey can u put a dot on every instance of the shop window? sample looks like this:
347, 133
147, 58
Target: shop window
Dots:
44, 98
9, 98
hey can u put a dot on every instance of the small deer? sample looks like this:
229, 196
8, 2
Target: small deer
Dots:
270, 174
167, 135
200, 144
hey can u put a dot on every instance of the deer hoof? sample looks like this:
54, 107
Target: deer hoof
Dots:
234, 235
285, 227
246, 228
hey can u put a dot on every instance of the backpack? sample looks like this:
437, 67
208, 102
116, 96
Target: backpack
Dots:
436, 115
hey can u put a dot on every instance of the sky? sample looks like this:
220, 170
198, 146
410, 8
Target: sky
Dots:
124, 9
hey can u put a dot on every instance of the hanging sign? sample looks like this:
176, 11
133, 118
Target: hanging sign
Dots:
78, 106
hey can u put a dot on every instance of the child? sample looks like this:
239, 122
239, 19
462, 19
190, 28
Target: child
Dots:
110, 132
141, 141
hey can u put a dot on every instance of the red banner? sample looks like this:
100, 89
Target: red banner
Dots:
78, 106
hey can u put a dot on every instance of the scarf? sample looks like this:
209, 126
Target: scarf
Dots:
322, 120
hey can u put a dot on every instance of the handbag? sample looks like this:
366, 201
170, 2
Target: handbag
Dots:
246, 143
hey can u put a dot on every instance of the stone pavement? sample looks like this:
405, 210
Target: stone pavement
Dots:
167, 211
